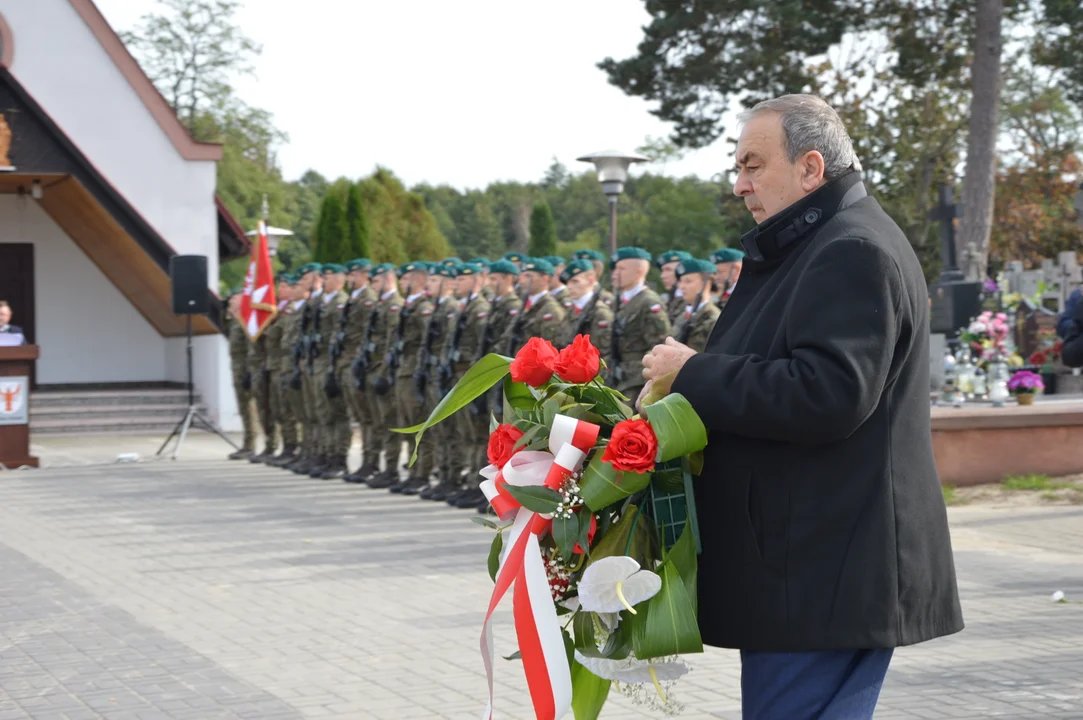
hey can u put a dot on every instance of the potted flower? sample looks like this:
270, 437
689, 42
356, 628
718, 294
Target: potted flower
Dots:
987, 338
1024, 384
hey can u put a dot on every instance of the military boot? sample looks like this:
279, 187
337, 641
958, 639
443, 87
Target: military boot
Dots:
263, 457
383, 480
303, 464
471, 499
414, 485
319, 466
242, 454
336, 469
426, 492
287, 456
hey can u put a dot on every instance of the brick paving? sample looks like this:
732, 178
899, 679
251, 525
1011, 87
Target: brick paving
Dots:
203, 589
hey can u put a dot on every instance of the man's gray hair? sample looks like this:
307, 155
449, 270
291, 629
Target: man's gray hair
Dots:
809, 124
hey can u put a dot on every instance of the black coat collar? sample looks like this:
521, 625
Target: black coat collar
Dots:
772, 240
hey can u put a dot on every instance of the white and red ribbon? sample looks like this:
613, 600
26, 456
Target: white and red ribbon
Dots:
522, 568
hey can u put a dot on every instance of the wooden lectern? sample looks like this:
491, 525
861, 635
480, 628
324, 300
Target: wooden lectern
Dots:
15, 365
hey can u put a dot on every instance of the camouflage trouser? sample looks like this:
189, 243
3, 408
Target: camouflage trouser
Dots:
244, 407
282, 410
411, 412
335, 434
473, 436
361, 413
449, 455
311, 419
261, 388
295, 400
384, 416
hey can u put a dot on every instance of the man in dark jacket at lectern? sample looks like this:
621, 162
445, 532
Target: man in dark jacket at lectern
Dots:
828, 542
6, 328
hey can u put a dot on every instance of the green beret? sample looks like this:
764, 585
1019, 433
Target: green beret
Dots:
629, 253
694, 265
576, 267
484, 262
293, 280
332, 269
672, 256
282, 277
471, 268
538, 265
412, 266
727, 255
514, 257
555, 260
358, 264
309, 268
451, 261
448, 271
381, 269
503, 267
234, 291
593, 255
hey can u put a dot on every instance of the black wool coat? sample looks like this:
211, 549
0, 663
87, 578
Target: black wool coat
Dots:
822, 521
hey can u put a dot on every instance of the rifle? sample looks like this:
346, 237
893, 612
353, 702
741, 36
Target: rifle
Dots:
334, 351
300, 348
421, 375
446, 371
360, 365
393, 355
516, 334
583, 328
618, 371
314, 338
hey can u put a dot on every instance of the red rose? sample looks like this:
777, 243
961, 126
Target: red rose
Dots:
579, 362
535, 362
1037, 358
502, 444
632, 447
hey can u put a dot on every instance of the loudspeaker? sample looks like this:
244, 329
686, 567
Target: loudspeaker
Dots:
188, 274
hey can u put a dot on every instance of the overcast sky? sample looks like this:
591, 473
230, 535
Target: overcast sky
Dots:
461, 92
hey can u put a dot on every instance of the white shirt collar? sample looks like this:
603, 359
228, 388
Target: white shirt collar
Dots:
535, 299
554, 292
629, 294
387, 294
358, 291
581, 303
298, 303
317, 293
413, 297
677, 292
328, 298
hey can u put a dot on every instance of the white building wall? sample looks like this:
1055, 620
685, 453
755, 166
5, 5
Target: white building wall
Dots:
87, 329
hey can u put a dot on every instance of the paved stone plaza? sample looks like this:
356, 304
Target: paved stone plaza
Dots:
202, 589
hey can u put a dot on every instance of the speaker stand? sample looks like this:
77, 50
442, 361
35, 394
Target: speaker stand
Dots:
192, 416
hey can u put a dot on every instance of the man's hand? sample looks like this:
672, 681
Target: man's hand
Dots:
667, 358
642, 394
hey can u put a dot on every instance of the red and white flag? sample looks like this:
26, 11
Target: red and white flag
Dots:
258, 304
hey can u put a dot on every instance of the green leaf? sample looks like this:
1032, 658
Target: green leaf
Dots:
478, 379
494, 555
683, 557
695, 463
583, 628
584, 531
589, 693
630, 536
486, 522
517, 396
668, 625
514, 656
550, 408
565, 533
619, 644
602, 485
677, 427
527, 438
535, 497
493, 422
569, 646
668, 479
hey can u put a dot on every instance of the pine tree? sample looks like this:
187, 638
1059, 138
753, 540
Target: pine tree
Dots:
357, 224
543, 231
332, 242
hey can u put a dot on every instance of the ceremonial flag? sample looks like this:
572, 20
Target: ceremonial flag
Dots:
258, 304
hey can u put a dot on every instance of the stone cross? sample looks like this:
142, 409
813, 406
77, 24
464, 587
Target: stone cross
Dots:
945, 212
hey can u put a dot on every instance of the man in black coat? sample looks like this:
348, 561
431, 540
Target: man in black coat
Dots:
827, 543
5, 321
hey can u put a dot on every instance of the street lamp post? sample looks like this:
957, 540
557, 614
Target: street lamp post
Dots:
612, 167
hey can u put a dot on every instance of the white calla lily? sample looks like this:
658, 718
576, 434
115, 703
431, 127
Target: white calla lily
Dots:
613, 584
632, 671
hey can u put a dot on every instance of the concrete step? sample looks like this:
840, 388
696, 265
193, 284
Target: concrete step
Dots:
74, 412
107, 412
109, 397
148, 424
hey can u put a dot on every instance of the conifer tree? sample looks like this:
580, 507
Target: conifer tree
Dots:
357, 224
543, 231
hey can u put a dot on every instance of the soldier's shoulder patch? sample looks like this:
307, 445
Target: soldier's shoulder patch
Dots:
655, 308
513, 312
483, 313
341, 306
568, 304
547, 316
394, 308
603, 323
426, 312
451, 316
369, 303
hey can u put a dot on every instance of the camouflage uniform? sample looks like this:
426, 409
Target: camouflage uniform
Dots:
447, 455
290, 367
641, 323
260, 371
675, 306
594, 319
411, 407
694, 327
277, 353
238, 356
541, 318
469, 331
310, 384
362, 304
383, 408
335, 433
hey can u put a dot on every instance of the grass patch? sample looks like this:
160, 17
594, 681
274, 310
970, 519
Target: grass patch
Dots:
1033, 482
950, 496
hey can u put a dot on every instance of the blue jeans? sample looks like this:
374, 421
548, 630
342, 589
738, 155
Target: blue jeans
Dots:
826, 685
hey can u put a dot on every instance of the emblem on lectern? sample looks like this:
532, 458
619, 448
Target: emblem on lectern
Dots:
13, 400
5, 143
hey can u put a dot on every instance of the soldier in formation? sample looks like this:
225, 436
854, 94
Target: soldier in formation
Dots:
727, 262
671, 296
639, 320
696, 321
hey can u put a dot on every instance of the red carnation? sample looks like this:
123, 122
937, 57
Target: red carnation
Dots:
502, 444
579, 362
1038, 358
535, 362
632, 447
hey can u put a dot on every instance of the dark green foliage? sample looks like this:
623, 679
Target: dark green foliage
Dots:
357, 224
332, 241
543, 231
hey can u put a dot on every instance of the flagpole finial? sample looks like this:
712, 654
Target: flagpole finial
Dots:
265, 208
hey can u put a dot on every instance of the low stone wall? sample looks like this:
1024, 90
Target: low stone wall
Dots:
975, 445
